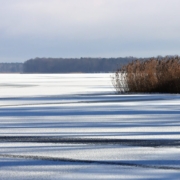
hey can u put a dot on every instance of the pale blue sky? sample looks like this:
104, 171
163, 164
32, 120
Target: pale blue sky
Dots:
88, 28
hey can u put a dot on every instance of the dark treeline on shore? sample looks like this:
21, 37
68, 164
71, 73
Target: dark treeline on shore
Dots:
81, 65
11, 67
67, 65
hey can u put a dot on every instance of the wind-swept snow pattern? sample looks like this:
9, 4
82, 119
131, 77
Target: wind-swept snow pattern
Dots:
75, 126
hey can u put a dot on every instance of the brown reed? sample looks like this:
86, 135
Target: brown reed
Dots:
155, 75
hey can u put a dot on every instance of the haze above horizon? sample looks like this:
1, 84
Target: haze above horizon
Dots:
95, 28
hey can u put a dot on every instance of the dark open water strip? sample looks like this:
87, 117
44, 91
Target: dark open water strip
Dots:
67, 140
68, 160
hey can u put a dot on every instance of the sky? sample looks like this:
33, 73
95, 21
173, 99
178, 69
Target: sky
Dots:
88, 28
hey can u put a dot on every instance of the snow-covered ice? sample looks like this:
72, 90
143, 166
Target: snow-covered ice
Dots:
74, 126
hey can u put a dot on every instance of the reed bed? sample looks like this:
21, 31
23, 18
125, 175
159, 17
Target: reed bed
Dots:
155, 75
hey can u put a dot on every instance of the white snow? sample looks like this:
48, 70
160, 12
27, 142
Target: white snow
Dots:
74, 126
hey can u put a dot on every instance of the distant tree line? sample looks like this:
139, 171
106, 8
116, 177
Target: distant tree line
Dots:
68, 65
74, 65
11, 67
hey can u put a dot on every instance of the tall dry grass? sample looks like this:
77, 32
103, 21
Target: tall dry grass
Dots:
156, 75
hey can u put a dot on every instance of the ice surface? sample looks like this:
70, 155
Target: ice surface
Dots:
74, 126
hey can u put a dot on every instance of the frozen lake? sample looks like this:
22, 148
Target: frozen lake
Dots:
74, 126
